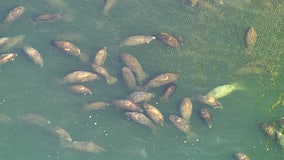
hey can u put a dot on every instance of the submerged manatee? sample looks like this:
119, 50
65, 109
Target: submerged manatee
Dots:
14, 14
11, 43
168, 91
224, 90
128, 77
62, 134
80, 76
154, 113
86, 146
6, 57
126, 104
133, 64
100, 56
70, 49
183, 126
160, 80
47, 17
241, 156
206, 116
80, 89
93, 106
103, 72
142, 119
186, 109
140, 96
34, 55
210, 101
36, 119
137, 40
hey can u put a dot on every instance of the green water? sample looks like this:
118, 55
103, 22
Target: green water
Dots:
213, 48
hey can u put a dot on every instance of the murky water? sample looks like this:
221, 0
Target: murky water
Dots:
212, 54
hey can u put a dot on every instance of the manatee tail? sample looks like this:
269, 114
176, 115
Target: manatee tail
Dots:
4, 119
111, 79
66, 144
191, 136
59, 81
68, 16
4, 26
141, 88
84, 57
164, 98
238, 86
141, 76
154, 129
